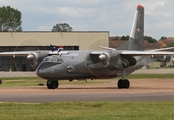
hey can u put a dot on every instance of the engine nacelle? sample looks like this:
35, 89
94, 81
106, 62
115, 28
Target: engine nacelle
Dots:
36, 57
105, 58
129, 61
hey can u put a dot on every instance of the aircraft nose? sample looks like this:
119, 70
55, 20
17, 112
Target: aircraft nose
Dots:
38, 71
44, 69
41, 70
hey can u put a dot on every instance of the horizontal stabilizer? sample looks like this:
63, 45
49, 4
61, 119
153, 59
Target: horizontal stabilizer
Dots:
107, 48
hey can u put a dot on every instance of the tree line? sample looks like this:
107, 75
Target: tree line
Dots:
148, 38
10, 21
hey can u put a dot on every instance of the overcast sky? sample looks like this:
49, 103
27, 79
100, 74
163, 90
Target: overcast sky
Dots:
115, 16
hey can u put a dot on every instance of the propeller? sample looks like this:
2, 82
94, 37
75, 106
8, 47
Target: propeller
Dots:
100, 58
21, 60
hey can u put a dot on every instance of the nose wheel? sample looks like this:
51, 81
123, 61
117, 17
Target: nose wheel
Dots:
52, 84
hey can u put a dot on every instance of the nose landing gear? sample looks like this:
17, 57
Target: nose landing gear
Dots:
52, 84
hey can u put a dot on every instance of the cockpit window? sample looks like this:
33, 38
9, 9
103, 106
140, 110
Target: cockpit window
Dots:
47, 60
53, 59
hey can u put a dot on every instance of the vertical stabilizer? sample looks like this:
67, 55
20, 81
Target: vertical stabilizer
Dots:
135, 41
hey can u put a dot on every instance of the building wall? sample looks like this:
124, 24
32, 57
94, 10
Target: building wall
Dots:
85, 40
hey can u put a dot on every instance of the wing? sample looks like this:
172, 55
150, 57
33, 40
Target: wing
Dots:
34, 57
26, 53
145, 53
164, 49
16, 53
54, 51
156, 52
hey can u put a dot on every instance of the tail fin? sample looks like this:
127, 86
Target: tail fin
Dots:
135, 41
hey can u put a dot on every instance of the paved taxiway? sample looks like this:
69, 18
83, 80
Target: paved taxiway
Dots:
141, 90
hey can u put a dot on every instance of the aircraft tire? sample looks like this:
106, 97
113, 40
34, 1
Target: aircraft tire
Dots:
126, 84
52, 84
120, 84
49, 84
55, 84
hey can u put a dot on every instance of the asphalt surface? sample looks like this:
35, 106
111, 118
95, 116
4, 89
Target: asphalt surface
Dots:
38, 98
140, 90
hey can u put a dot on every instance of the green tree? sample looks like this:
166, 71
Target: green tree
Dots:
125, 37
163, 38
170, 45
150, 39
62, 27
10, 19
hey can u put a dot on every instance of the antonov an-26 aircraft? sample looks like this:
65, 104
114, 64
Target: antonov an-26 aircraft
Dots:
91, 64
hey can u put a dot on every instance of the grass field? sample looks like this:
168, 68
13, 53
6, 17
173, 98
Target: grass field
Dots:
34, 81
88, 111
147, 76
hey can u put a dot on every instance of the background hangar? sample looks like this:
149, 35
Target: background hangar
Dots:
31, 41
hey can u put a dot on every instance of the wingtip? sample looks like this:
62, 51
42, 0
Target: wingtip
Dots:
139, 6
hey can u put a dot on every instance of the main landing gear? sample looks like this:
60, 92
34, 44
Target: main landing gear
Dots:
52, 84
123, 83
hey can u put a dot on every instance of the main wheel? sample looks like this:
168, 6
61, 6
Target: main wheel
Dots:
126, 84
120, 84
